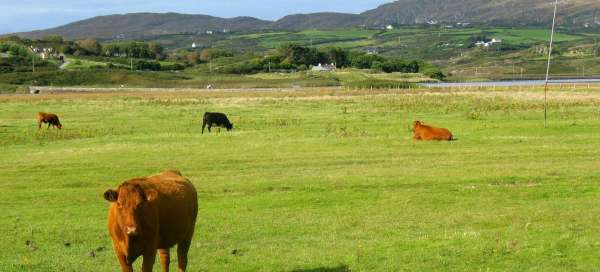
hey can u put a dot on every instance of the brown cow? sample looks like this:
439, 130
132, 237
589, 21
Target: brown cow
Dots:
427, 133
49, 118
150, 214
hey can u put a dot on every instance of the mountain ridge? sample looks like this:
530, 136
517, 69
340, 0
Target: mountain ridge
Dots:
574, 13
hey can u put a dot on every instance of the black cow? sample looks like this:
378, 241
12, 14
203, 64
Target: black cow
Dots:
216, 119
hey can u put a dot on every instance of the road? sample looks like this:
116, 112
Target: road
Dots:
510, 83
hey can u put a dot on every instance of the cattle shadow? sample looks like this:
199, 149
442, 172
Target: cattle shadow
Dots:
342, 268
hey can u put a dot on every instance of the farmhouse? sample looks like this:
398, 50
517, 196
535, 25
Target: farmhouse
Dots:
372, 50
323, 68
488, 44
43, 52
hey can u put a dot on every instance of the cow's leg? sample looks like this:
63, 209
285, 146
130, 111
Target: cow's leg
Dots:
125, 267
39, 125
203, 125
165, 259
182, 251
49, 124
209, 126
149, 258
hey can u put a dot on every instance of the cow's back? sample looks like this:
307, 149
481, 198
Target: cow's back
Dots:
177, 204
428, 133
216, 118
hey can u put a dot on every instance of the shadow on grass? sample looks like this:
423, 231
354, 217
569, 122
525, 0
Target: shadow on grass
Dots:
342, 268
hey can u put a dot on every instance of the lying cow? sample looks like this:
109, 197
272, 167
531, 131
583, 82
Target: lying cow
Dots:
48, 118
216, 119
150, 214
427, 133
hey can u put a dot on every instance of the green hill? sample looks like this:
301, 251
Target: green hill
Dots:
575, 13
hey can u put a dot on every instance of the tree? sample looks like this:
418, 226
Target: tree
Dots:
90, 46
336, 55
363, 61
156, 49
210, 54
297, 55
54, 39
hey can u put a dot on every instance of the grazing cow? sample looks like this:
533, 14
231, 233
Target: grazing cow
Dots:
49, 118
216, 119
427, 133
150, 214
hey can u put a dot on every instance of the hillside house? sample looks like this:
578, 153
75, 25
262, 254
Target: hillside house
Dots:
372, 50
43, 52
389, 27
194, 45
324, 68
488, 44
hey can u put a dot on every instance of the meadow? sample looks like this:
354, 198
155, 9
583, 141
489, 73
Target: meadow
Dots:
313, 180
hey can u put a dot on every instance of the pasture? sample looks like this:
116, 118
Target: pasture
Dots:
313, 180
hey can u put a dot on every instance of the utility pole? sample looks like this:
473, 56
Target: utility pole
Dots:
33, 63
131, 63
521, 73
548, 67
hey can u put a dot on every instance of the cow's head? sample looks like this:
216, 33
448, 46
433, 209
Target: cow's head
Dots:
59, 126
229, 126
131, 202
416, 124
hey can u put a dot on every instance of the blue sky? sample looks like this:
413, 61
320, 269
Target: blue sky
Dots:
26, 15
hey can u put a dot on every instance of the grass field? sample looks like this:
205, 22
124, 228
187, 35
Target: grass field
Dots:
314, 180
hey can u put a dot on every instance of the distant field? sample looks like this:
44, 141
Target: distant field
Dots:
314, 180
526, 36
272, 40
11, 82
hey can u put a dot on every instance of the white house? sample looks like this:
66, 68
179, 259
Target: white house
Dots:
488, 44
209, 32
323, 68
389, 27
372, 50
194, 45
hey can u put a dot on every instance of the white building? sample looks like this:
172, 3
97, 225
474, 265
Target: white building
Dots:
323, 68
488, 44
389, 27
193, 45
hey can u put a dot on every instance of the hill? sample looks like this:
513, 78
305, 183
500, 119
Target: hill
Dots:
574, 13
135, 25
323, 20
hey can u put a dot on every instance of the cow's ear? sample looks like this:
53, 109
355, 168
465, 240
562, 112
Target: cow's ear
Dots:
151, 194
111, 195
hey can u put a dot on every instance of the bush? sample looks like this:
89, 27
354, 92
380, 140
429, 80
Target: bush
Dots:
143, 65
379, 84
172, 67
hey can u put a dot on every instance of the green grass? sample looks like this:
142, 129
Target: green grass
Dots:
529, 36
313, 180
80, 64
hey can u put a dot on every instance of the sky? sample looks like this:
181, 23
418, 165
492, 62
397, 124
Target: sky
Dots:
27, 15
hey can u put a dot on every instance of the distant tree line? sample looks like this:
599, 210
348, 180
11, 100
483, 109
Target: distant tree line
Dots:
297, 57
139, 50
